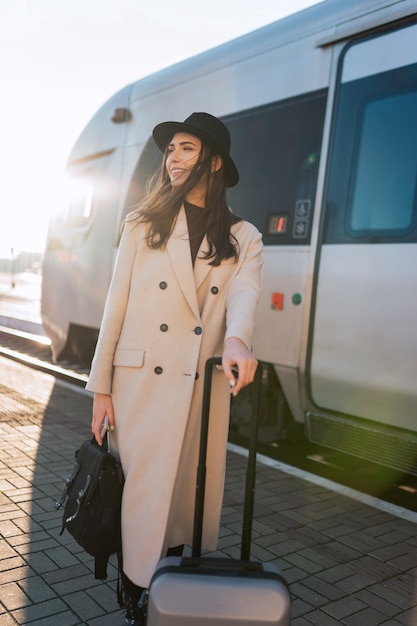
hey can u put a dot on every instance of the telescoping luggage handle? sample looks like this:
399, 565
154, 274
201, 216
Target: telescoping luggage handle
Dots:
251, 466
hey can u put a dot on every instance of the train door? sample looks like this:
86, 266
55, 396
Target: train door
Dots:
277, 150
363, 347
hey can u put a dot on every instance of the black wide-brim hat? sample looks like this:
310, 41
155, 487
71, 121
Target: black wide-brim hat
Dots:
207, 128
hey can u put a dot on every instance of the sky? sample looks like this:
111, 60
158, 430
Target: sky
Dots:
60, 60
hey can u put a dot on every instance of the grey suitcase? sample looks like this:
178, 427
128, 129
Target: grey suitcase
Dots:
206, 591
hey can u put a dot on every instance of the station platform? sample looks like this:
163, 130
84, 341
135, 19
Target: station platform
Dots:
348, 559
20, 302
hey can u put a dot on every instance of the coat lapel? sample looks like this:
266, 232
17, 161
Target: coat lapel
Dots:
178, 249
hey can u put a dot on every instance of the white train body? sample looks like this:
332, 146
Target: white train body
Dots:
322, 108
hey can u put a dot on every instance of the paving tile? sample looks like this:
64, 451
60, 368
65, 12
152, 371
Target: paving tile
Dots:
373, 601
23, 542
367, 617
60, 555
408, 618
354, 583
358, 541
318, 555
13, 597
404, 585
41, 563
344, 608
115, 619
391, 552
59, 575
39, 613
83, 606
339, 553
389, 593
76, 584
310, 566
37, 589
105, 596
310, 596
318, 618
331, 592
292, 574
6, 551
9, 529
7, 620
300, 621
299, 607
11, 563
16, 574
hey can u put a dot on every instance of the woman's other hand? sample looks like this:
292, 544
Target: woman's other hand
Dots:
102, 409
236, 356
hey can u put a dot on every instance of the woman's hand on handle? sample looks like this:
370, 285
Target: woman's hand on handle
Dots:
102, 409
236, 356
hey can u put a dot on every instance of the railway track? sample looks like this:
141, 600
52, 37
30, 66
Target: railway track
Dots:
377, 481
34, 351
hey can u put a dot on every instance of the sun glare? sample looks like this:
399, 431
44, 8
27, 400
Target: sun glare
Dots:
27, 206
53, 92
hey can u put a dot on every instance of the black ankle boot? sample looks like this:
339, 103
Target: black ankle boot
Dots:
135, 610
135, 606
135, 600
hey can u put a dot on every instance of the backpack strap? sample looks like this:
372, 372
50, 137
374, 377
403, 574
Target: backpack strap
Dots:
100, 567
100, 572
120, 589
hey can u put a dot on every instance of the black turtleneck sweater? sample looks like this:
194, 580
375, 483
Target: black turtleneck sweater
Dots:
197, 219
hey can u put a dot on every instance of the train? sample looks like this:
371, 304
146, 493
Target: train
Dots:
321, 106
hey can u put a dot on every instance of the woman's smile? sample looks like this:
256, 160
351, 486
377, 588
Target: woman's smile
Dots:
183, 153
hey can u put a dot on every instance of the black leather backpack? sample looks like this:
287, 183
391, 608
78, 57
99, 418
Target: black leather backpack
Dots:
92, 497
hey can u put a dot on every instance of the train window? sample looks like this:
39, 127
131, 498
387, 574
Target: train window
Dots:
384, 182
149, 161
371, 194
81, 200
276, 150
77, 199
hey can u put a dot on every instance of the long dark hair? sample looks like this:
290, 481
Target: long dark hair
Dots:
162, 203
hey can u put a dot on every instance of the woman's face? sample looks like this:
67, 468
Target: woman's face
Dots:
183, 153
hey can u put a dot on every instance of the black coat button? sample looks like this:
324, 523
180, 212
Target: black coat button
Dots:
198, 330
163, 328
163, 285
214, 290
158, 369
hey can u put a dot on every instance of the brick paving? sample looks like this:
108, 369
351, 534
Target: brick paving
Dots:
346, 562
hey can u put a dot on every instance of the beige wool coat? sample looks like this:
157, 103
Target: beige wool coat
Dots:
162, 320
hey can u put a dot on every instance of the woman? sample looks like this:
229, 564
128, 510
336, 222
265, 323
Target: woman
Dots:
185, 288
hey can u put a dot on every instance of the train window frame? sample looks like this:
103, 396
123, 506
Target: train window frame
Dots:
350, 98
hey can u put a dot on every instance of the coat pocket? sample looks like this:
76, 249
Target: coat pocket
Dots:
128, 358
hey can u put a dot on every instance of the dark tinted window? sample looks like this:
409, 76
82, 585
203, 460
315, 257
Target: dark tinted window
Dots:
276, 149
384, 179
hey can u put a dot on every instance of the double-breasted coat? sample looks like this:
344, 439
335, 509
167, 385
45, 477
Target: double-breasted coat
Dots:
162, 320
